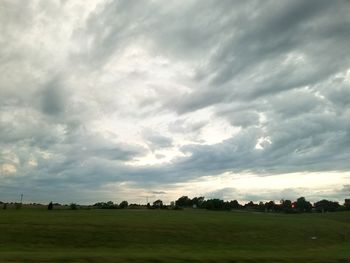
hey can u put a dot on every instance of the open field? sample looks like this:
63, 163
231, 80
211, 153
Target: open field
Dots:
35, 235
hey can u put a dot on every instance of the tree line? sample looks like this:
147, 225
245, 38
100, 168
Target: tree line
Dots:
287, 206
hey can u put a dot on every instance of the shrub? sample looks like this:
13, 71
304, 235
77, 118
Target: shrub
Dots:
73, 206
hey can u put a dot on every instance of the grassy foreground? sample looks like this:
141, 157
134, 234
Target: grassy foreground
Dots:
32, 235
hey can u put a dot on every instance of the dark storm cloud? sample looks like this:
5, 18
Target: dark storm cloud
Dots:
109, 35
53, 100
243, 118
278, 71
248, 64
237, 41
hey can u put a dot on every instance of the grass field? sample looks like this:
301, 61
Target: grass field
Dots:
34, 235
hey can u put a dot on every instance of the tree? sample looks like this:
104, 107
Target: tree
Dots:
109, 205
251, 206
270, 206
106, 205
215, 204
158, 204
184, 201
73, 206
234, 204
347, 204
302, 205
226, 205
50, 206
261, 206
286, 206
123, 204
326, 206
198, 201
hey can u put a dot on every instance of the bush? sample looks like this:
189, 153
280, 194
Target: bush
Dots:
73, 206
106, 205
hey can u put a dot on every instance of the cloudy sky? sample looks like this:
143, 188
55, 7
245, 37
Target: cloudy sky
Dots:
113, 100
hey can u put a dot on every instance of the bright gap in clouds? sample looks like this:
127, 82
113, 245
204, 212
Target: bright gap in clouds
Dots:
136, 97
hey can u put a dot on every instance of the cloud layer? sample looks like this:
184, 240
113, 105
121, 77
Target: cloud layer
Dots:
110, 98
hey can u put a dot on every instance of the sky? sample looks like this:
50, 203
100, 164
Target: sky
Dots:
145, 100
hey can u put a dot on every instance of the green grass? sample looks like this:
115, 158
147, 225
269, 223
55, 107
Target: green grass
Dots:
34, 235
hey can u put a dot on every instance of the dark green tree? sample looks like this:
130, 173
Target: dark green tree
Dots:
270, 206
234, 204
124, 204
347, 204
302, 205
215, 204
286, 206
50, 206
198, 201
158, 204
326, 206
251, 206
184, 201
